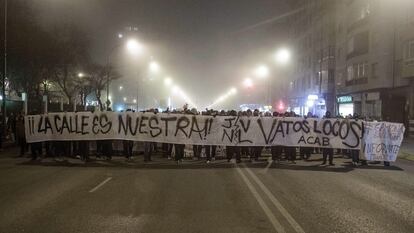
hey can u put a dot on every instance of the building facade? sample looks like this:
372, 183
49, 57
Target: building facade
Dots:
354, 56
312, 33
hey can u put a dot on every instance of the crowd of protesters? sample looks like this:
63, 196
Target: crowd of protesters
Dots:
105, 151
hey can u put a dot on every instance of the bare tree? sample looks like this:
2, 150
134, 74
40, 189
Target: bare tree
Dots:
70, 52
99, 76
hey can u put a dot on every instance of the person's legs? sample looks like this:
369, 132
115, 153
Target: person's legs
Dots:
195, 152
177, 152
355, 156
324, 155
229, 153
147, 149
330, 153
237, 150
208, 151
33, 150
213, 152
22, 142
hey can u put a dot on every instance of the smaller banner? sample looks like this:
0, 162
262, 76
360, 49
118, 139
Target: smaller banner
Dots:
382, 140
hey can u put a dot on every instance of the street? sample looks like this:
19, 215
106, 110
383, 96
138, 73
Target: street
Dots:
161, 196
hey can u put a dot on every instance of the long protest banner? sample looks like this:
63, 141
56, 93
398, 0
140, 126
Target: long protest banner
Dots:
196, 129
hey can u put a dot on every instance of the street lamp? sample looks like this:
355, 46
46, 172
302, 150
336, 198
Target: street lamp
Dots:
282, 56
154, 67
262, 71
134, 47
248, 83
167, 81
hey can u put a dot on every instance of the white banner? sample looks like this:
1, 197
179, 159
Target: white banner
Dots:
382, 140
195, 129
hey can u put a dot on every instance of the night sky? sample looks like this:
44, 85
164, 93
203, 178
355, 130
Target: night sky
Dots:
204, 45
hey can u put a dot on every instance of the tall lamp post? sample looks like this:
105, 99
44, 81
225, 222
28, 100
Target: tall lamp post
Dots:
3, 105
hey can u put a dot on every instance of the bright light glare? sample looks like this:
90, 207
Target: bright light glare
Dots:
120, 35
176, 89
134, 47
80, 75
233, 91
125, 99
262, 71
135, 101
167, 81
283, 56
120, 87
248, 82
309, 103
154, 67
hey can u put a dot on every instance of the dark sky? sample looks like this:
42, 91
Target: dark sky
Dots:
199, 42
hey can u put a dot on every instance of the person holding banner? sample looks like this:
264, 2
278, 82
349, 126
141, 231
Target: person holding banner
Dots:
328, 152
20, 134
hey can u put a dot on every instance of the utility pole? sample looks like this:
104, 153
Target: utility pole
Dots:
3, 106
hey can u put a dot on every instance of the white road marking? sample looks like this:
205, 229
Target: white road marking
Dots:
276, 203
276, 224
100, 185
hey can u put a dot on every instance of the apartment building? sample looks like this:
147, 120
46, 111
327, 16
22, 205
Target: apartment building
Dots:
354, 56
312, 33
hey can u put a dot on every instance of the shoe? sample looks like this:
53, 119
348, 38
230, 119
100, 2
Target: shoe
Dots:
228, 160
293, 162
208, 161
238, 161
323, 163
331, 164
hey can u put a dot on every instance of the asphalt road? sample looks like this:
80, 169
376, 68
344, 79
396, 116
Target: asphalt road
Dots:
161, 196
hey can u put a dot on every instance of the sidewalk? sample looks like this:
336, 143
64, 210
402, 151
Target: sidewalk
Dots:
407, 149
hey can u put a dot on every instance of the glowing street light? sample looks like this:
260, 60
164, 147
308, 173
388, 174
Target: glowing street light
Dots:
154, 67
121, 87
80, 75
262, 71
120, 35
248, 83
167, 81
176, 89
134, 47
282, 56
135, 101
